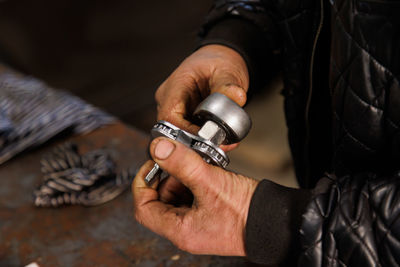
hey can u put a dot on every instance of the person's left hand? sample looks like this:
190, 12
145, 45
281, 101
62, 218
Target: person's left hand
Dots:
215, 222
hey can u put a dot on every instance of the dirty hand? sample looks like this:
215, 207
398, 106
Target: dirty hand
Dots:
215, 222
212, 68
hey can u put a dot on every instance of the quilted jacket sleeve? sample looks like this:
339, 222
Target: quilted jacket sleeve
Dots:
247, 27
345, 221
353, 221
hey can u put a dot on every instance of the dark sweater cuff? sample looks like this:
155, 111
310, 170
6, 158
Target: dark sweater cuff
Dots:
245, 38
273, 223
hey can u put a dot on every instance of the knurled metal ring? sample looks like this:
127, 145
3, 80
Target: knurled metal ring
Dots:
210, 153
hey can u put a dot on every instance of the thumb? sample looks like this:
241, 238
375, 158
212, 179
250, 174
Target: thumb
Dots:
182, 163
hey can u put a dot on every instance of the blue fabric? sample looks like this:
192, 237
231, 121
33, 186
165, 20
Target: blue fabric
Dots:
31, 113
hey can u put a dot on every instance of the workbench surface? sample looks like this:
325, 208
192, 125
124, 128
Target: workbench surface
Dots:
105, 235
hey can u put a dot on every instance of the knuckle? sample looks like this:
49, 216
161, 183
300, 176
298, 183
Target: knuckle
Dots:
158, 94
138, 216
182, 237
184, 243
192, 171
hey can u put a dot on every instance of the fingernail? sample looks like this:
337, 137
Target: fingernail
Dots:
164, 149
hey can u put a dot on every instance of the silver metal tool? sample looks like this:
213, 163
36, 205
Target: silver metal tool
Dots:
225, 122
154, 172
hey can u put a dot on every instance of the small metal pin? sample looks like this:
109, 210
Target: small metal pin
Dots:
154, 173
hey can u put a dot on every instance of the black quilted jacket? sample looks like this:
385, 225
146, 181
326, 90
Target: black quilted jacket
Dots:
341, 66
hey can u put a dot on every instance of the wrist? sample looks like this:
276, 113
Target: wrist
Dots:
223, 51
251, 185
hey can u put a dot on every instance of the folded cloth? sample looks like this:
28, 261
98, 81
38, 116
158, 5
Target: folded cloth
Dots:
89, 179
31, 113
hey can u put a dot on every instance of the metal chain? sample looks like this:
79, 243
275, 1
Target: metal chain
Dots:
210, 153
71, 178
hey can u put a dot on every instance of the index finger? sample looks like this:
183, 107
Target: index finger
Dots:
161, 218
176, 106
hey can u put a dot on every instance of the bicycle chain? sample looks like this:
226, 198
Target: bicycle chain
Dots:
210, 153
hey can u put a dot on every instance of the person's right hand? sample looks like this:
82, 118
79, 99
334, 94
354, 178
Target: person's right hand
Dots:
215, 222
212, 68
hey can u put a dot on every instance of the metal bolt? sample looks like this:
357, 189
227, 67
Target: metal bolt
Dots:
212, 132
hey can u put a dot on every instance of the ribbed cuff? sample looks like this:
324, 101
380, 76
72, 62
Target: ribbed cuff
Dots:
273, 223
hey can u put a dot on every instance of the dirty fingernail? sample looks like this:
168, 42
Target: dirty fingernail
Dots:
164, 149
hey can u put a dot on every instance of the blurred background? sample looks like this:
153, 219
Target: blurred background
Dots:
114, 54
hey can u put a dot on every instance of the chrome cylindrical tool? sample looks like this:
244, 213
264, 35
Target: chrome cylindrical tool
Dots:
224, 122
